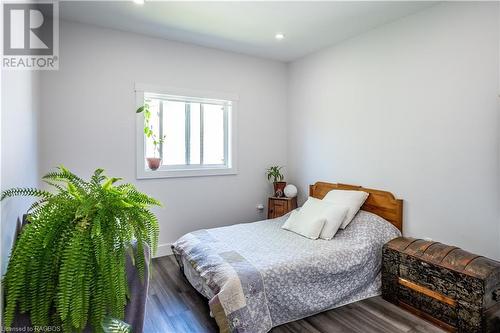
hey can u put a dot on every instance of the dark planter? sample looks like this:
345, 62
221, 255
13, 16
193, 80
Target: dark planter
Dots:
279, 187
153, 162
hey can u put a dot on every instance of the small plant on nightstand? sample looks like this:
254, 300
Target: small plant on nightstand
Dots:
275, 174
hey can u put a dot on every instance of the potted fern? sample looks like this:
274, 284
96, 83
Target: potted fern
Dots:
275, 174
154, 161
67, 267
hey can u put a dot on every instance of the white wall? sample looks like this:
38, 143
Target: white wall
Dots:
88, 119
411, 107
19, 159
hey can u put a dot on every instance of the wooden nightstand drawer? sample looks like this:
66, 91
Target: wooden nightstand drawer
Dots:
280, 206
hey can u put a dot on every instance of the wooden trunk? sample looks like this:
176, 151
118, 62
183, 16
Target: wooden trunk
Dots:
454, 289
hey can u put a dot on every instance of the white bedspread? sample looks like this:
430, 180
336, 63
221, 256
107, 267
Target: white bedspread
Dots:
262, 276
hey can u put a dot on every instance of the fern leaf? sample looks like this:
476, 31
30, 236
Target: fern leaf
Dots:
25, 192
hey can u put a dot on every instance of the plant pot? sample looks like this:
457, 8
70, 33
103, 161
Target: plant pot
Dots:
279, 187
153, 162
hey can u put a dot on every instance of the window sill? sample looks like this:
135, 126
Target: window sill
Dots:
181, 173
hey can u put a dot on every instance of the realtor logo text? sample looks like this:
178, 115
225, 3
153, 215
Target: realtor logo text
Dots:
30, 36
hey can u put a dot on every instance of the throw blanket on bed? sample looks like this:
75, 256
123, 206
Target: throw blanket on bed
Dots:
261, 276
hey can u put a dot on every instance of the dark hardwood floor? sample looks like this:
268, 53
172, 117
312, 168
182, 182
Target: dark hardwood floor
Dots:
174, 306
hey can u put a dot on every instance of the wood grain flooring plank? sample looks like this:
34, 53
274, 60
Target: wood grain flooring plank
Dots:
296, 327
398, 316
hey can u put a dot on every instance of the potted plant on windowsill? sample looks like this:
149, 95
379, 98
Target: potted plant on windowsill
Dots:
274, 172
68, 266
154, 162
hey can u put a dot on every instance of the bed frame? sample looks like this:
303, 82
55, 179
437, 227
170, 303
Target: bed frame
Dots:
382, 203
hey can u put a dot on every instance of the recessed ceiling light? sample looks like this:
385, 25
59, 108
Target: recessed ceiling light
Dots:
139, 2
279, 36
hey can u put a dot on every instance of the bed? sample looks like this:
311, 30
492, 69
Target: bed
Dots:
257, 276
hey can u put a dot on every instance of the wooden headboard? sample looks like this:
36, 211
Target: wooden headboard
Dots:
382, 203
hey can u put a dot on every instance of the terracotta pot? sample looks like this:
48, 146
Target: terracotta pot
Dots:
153, 162
279, 187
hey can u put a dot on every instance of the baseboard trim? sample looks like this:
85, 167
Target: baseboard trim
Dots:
163, 250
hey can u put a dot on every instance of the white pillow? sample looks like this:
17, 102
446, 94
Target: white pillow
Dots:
308, 221
335, 215
352, 200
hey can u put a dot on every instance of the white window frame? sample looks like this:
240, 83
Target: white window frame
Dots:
230, 168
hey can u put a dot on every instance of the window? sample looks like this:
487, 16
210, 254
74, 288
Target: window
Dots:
197, 131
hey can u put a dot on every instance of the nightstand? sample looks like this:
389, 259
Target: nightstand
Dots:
277, 207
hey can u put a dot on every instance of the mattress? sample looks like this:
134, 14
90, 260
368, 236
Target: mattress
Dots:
257, 275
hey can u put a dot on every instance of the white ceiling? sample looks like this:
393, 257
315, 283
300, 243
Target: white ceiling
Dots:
245, 27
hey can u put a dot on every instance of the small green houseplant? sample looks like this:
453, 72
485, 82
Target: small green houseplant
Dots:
274, 173
67, 267
155, 161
